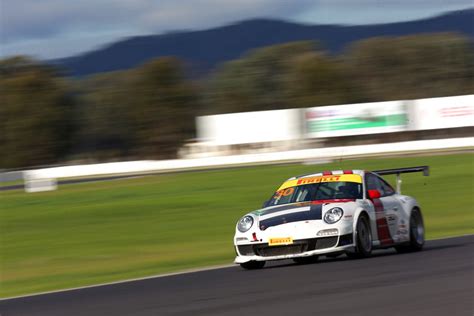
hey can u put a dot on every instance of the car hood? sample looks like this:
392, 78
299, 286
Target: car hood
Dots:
296, 212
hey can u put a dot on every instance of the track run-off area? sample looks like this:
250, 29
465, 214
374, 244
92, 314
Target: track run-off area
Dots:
435, 281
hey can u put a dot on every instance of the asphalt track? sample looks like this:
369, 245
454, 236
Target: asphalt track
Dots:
436, 281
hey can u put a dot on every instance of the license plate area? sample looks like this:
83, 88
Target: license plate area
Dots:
278, 241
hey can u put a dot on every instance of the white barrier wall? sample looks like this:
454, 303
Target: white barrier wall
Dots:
356, 119
249, 127
448, 112
131, 167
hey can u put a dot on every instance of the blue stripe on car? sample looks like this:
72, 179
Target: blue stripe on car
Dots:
282, 208
314, 213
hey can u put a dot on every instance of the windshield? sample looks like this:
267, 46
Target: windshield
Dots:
317, 191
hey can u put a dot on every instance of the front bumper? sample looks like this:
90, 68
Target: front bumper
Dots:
299, 248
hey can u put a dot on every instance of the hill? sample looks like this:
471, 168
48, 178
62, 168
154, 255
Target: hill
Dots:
203, 50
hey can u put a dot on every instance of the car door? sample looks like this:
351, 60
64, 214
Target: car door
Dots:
386, 209
392, 207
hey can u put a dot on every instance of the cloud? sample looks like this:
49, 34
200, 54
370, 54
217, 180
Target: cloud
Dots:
33, 19
378, 11
209, 13
407, 4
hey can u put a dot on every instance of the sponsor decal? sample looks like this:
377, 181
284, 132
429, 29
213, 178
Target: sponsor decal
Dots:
280, 241
284, 192
392, 220
330, 178
325, 178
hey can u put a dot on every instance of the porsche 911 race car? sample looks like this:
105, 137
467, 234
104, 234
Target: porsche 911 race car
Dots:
331, 213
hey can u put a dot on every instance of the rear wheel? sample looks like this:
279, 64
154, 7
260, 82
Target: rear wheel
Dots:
363, 238
417, 233
253, 265
306, 260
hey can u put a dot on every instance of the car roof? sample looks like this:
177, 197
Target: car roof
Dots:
329, 173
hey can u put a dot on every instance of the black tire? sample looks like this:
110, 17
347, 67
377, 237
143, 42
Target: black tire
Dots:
417, 233
306, 260
363, 238
253, 265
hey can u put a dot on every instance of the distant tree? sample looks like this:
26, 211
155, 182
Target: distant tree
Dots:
162, 108
104, 117
145, 112
34, 110
414, 66
316, 79
257, 81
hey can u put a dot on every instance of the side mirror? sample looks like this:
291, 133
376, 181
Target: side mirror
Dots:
374, 194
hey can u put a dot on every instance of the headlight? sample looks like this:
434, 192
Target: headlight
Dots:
245, 224
333, 215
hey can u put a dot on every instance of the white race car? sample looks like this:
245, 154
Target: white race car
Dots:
331, 213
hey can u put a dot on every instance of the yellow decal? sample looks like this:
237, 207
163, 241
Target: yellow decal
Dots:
332, 178
280, 241
286, 192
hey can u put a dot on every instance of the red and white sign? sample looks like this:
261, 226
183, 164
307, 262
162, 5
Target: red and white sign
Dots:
447, 112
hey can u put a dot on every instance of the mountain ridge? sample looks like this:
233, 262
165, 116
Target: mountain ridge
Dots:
202, 50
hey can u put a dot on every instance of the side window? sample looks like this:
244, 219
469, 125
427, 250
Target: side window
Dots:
375, 183
371, 182
386, 189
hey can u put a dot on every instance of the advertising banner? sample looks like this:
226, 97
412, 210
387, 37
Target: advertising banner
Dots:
356, 119
447, 112
249, 127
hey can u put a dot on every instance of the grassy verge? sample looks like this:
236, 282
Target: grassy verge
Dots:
10, 183
106, 231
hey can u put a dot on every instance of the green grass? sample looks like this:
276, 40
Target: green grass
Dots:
9, 183
106, 231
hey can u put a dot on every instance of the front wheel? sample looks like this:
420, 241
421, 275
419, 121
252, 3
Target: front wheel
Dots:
417, 233
253, 265
363, 238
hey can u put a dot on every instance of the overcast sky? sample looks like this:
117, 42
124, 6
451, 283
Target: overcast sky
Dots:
58, 28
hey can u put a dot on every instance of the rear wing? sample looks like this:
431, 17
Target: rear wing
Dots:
398, 171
